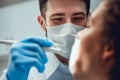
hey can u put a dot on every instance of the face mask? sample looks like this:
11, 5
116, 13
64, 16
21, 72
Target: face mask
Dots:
62, 36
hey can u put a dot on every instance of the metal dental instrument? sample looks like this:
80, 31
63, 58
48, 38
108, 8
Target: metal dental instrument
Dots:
7, 42
48, 49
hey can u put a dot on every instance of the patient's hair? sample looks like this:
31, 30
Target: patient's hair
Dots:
43, 8
112, 30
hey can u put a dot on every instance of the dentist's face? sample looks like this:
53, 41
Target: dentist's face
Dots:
65, 11
86, 58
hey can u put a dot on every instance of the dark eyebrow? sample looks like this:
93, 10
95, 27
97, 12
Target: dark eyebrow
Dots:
57, 14
79, 13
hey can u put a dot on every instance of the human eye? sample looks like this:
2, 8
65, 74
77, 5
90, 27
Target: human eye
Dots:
78, 18
59, 19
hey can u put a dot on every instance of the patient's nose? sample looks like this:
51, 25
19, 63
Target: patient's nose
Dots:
81, 33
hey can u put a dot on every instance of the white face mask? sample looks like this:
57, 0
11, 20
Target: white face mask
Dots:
62, 36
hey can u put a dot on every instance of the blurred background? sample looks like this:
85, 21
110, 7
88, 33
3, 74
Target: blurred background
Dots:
18, 19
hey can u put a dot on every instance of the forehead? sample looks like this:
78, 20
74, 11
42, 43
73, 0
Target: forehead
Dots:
65, 6
97, 17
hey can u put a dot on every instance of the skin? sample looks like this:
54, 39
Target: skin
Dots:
59, 12
94, 57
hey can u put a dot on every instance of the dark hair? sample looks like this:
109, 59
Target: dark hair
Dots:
112, 23
42, 6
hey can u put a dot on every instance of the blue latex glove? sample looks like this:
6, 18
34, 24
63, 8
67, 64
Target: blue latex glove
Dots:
24, 55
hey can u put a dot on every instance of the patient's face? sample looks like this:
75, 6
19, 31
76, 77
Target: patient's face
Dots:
86, 56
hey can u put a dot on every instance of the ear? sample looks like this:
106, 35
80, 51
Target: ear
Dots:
109, 52
41, 22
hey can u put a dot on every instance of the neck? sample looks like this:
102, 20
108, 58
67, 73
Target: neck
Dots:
99, 77
92, 77
62, 59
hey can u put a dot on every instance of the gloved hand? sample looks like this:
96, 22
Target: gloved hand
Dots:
24, 55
